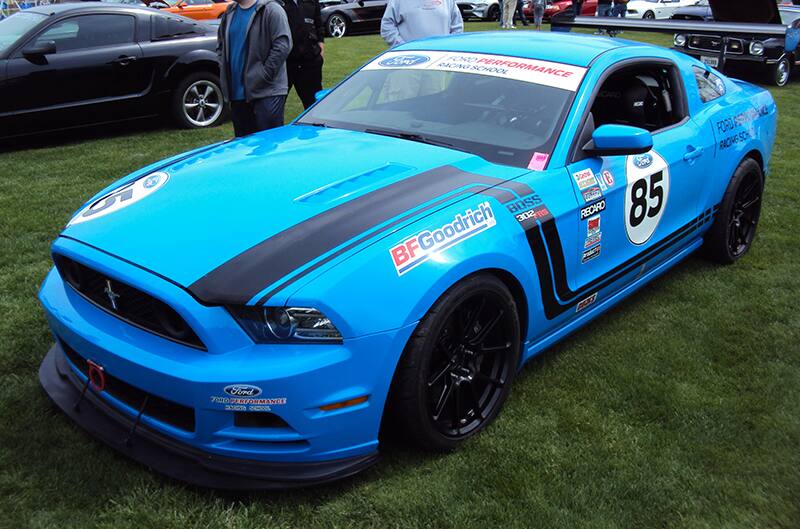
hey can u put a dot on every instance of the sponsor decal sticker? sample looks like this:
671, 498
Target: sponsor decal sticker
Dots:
591, 240
593, 209
586, 302
404, 61
245, 397
538, 161
593, 226
608, 178
591, 194
643, 161
242, 390
417, 249
558, 75
601, 182
121, 197
584, 179
590, 254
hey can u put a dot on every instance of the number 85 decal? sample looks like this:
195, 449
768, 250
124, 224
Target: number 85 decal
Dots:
645, 196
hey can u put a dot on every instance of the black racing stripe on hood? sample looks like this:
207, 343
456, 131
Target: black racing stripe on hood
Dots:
241, 278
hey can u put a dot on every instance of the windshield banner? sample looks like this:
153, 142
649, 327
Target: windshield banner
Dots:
546, 73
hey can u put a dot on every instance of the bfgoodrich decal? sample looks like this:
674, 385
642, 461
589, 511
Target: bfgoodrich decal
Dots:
416, 250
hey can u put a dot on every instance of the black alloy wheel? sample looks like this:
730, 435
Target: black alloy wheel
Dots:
458, 368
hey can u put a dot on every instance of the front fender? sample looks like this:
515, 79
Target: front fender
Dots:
366, 294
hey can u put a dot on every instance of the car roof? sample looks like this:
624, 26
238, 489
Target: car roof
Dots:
567, 48
57, 9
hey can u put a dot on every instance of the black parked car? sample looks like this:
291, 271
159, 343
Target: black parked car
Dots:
78, 64
700, 11
749, 53
346, 18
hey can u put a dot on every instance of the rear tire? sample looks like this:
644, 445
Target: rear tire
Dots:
458, 366
734, 228
197, 101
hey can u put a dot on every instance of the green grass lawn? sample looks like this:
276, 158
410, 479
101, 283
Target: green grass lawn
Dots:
680, 408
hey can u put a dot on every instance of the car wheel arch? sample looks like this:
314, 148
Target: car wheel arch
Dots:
189, 64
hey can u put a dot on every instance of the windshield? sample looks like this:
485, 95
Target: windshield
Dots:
510, 111
15, 26
789, 15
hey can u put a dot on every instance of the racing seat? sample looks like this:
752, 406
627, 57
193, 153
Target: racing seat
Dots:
630, 100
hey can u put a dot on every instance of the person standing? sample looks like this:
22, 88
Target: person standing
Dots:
577, 7
538, 13
620, 8
253, 43
508, 13
406, 20
603, 8
304, 65
520, 13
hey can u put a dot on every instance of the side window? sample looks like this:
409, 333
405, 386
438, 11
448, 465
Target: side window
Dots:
649, 96
165, 27
709, 86
90, 31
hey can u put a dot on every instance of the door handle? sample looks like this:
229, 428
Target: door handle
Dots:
124, 60
693, 153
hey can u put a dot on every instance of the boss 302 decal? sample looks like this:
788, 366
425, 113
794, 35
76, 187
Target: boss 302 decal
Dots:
416, 250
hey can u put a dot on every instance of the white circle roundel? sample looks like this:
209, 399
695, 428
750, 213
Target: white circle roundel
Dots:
121, 197
646, 195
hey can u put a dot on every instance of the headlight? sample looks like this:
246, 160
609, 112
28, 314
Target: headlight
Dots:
286, 325
756, 48
680, 40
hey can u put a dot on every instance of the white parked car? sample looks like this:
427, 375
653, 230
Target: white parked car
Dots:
652, 9
486, 9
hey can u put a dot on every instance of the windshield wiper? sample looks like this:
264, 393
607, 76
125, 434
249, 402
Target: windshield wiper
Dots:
412, 137
314, 124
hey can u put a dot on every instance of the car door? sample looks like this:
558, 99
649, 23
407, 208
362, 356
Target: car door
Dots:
635, 211
95, 62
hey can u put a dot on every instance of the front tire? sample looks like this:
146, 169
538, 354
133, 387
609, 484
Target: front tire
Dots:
458, 366
494, 13
649, 15
197, 102
781, 72
734, 229
338, 25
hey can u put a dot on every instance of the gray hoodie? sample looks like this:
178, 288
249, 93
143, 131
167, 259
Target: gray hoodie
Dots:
407, 20
269, 42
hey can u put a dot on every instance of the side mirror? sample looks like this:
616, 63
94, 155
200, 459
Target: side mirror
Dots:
322, 93
612, 140
37, 51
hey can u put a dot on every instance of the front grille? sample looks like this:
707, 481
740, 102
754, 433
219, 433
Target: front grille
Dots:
714, 44
163, 410
126, 302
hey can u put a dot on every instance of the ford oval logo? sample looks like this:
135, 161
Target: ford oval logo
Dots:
405, 60
242, 390
643, 161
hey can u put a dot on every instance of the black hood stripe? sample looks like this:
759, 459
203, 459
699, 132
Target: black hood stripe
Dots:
243, 277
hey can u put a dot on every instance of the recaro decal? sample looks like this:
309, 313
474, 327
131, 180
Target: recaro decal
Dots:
646, 195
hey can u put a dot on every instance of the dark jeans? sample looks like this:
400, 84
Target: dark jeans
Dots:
520, 14
619, 10
306, 77
258, 114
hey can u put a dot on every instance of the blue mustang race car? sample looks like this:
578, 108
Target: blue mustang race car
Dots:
250, 314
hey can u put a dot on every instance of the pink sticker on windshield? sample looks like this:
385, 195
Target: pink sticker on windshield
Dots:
538, 161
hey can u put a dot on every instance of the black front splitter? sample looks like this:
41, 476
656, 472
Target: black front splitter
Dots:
173, 458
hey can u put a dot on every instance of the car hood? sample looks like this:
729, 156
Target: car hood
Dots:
746, 11
255, 209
